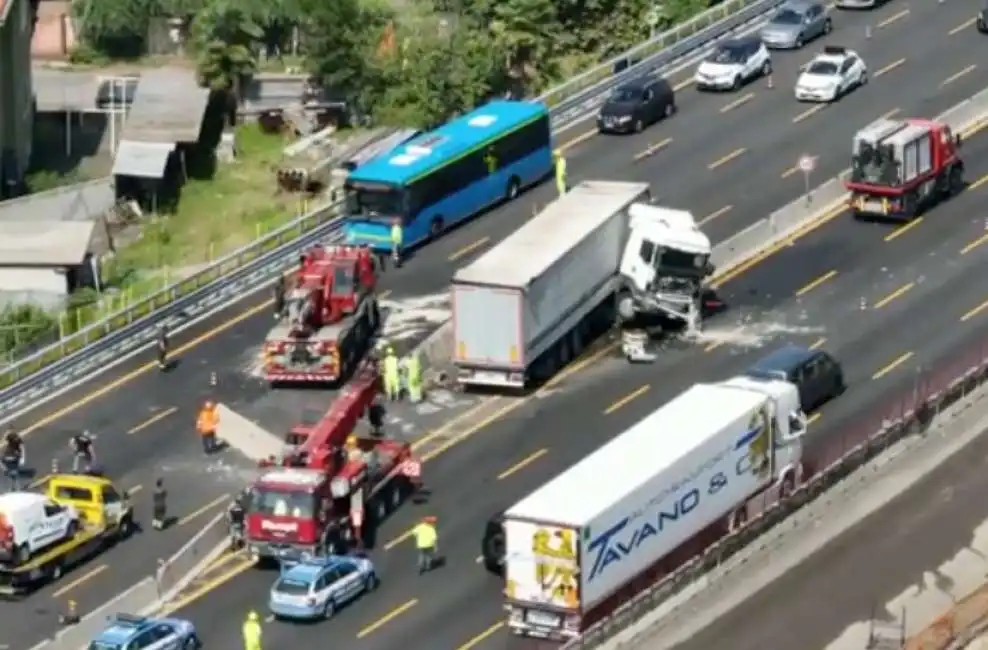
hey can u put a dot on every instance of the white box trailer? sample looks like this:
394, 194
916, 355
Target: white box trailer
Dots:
590, 532
529, 298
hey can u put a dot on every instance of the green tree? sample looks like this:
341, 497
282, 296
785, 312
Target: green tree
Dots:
224, 35
23, 325
526, 32
436, 72
117, 28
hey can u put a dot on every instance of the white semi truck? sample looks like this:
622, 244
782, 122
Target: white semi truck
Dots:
528, 306
653, 497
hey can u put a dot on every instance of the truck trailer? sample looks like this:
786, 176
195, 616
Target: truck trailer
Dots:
634, 510
529, 306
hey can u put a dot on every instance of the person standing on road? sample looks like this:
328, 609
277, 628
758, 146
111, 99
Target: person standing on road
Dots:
83, 453
279, 297
207, 424
392, 375
559, 163
159, 505
12, 458
397, 235
252, 632
163, 348
426, 542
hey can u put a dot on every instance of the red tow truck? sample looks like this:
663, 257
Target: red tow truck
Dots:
330, 316
901, 167
317, 499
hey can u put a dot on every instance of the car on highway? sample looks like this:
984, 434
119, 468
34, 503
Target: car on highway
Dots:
817, 375
795, 24
314, 588
859, 4
982, 19
635, 105
733, 64
830, 75
126, 632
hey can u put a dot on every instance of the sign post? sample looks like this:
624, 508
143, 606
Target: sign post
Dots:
652, 18
807, 164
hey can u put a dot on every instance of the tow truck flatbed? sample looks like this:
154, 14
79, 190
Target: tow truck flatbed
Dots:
52, 564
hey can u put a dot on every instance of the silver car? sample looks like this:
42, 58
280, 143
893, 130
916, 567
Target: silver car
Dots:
795, 24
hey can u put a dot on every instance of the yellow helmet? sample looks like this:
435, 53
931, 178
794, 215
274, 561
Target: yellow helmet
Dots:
252, 616
351, 441
391, 350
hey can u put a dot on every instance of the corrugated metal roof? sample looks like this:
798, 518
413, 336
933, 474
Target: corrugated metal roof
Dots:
169, 106
142, 159
44, 243
79, 202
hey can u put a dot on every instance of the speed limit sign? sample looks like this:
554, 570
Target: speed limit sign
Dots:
806, 163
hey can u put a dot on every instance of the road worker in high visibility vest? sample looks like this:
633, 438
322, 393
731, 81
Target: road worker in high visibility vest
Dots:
252, 632
413, 376
559, 162
392, 375
397, 237
426, 543
206, 424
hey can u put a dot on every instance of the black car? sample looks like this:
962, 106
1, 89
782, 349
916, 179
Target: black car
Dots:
492, 546
635, 105
983, 20
817, 375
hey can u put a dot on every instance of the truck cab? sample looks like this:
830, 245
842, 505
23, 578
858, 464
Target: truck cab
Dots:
100, 504
665, 264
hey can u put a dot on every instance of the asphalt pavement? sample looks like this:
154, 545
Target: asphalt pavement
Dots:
726, 157
890, 303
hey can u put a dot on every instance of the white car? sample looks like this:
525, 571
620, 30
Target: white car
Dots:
734, 64
30, 522
831, 74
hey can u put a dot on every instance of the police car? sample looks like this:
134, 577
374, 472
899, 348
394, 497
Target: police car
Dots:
126, 632
315, 587
831, 74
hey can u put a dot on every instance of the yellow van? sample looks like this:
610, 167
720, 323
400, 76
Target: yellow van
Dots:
102, 506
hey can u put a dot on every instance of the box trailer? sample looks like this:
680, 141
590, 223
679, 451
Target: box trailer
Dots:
527, 306
575, 546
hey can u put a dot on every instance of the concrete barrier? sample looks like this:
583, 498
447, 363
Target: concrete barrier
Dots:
246, 436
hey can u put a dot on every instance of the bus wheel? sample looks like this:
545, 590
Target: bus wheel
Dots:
437, 227
514, 187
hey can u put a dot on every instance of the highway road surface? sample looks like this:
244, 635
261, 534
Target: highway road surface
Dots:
726, 157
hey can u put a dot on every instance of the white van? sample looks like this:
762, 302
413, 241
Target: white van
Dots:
31, 522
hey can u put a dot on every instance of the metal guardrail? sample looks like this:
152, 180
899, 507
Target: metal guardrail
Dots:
21, 380
933, 390
154, 591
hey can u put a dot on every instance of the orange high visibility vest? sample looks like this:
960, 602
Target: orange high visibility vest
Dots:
207, 421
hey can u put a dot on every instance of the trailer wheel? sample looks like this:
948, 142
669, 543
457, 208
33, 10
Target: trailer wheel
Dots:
955, 182
56, 572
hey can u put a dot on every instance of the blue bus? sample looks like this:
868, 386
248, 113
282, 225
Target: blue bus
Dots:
438, 179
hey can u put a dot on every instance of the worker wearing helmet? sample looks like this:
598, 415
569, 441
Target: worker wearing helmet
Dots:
392, 375
206, 424
397, 237
353, 452
413, 377
163, 348
83, 452
426, 543
559, 163
252, 632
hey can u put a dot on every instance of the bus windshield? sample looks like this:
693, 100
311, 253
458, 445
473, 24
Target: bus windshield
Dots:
282, 503
378, 204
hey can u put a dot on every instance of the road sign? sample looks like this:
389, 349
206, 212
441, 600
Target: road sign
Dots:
806, 163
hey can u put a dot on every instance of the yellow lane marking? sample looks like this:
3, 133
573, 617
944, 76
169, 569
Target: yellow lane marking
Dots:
685, 83
652, 149
889, 68
891, 19
635, 394
522, 464
903, 229
974, 312
713, 346
740, 101
134, 490
964, 25
384, 295
829, 275
469, 248
892, 366
716, 214
957, 75
813, 418
204, 509
137, 372
818, 343
89, 575
583, 137
977, 242
805, 114
892, 296
888, 115
151, 420
978, 183
726, 159
481, 637
393, 614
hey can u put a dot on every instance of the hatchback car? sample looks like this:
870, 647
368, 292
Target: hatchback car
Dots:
817, 375
732, 64
795, 24
635, 105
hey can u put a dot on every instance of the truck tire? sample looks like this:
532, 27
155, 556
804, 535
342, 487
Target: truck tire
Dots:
494, 553
955, 180
23, 554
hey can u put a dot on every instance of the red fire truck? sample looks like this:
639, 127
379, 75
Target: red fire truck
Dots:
901, 167
317, 499
329, 317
